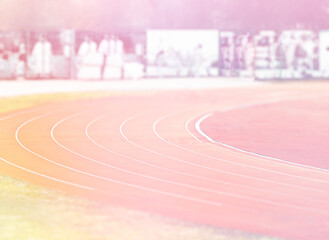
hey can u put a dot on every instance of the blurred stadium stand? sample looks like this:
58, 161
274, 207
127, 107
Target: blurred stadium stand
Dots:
246, 44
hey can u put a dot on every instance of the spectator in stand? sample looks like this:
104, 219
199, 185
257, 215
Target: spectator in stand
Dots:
2, 46
249, 55
89, 63
227, 53
200, 64
87, 47
5, 70
290, 50
106, 49
115, 62
240, 43
309, 46
139, 52
275, 53
20, 59
41, 58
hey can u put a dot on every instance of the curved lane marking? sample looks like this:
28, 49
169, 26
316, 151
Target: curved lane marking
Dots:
222, 193
48, 177
31, 171
217, 204
272, 159
195, 176
209, 168
221, 159
61, 180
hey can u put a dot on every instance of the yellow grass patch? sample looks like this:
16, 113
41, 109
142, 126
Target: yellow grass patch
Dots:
21, 102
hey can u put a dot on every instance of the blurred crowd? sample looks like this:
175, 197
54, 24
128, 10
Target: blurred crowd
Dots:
13, 60
66, 54
107, 59
291, 54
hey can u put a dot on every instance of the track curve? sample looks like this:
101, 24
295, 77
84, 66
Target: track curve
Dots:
144, 152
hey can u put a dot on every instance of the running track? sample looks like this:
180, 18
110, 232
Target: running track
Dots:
144, 152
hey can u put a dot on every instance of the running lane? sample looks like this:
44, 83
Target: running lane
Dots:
294, 131
145, 152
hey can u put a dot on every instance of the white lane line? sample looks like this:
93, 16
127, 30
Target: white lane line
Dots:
16, 134
272, 159
143, 162
210, 168
140, 161
31, 171
217, 204
127, 171
219, 192
67, 182
14, 114
80, 186
234, 163
197, 126
20, 112
192, 175
48, 177
221, 159
189, 132
171, 170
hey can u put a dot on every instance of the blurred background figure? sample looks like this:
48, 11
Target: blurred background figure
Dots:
201, 67
67, 41
276, 54
89, 60
106, 48
249, 55
5, 68
301, 64
115, 60
2, 45
226, 53
290, 50
309, 47
239, 52
42, 58
4, 60
139, 52
119, 47
20, 58
135, 69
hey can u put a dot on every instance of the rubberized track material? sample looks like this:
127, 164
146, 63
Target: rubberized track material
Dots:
145, 152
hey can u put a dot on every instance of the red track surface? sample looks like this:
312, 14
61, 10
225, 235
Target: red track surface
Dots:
297, 131
143, 152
